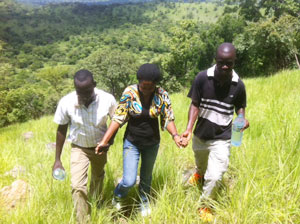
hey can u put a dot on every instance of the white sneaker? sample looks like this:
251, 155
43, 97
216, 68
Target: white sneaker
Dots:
116, 202
145, 209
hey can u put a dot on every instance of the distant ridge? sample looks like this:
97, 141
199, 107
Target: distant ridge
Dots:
100, 2
87, 2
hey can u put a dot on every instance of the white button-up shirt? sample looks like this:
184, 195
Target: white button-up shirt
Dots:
87, 125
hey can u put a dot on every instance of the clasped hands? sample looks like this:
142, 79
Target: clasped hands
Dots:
101, 148
182, 140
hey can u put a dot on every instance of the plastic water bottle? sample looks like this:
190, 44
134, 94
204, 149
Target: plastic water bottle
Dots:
237, 135
59, 174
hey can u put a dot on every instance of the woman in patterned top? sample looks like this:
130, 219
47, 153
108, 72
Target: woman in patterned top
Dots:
140, 106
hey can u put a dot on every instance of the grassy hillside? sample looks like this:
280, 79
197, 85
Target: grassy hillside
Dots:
261, 186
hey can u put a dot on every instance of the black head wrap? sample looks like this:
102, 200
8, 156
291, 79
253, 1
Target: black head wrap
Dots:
149, 72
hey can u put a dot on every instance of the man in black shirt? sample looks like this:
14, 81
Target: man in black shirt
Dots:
215, 94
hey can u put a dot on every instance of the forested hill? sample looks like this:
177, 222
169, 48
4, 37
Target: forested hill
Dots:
42, 46
88, 2
93, 2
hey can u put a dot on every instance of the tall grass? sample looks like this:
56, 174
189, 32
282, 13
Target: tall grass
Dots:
262, 184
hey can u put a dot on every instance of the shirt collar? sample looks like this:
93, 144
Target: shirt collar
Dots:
211, 73
77, 105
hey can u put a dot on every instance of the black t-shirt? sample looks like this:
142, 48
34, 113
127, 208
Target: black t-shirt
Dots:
216, 104
142, 129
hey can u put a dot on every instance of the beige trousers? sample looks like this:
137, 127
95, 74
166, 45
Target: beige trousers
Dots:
80, 161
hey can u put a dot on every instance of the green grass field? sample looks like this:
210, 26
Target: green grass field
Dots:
262, 184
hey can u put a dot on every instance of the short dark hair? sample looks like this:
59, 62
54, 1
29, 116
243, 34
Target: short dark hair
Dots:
83, 75
149, 72
226, 47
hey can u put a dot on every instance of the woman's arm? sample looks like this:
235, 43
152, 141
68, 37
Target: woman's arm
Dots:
111, 131
192, 117
173, 131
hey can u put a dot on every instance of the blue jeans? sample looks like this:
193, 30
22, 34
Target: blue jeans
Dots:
131, 157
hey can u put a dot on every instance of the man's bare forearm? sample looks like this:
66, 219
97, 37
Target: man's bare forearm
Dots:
60, 140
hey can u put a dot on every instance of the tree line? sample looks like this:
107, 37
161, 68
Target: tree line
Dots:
42, 46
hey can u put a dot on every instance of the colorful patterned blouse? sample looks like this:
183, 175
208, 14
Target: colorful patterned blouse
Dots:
130, 106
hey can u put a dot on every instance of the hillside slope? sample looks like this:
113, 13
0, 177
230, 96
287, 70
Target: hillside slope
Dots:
261, 186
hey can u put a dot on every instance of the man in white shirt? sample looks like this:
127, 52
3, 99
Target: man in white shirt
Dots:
85, 111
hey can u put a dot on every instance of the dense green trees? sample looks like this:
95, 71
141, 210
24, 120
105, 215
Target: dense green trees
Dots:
113, 69
278, 8
266, 47
253, 10
250, 10
185, 46
41, 47
22, 104
270, 40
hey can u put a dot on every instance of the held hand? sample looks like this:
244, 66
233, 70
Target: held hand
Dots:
185, 138
246, 125
57, 164
177, 140
101, 148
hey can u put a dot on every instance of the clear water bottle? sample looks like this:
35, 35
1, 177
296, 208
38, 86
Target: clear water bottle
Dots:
59, 174
237, 134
